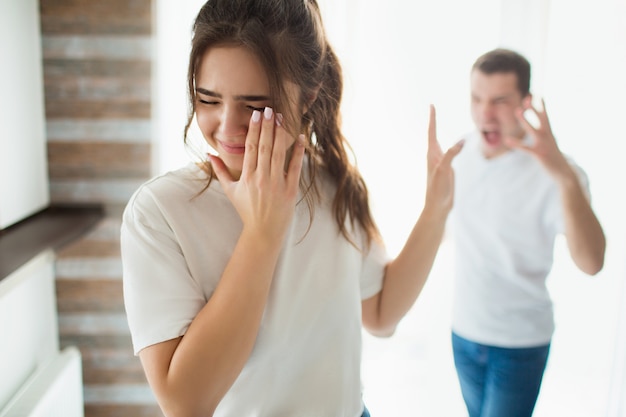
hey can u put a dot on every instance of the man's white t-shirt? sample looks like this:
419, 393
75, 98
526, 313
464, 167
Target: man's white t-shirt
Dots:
177, 240
507, 213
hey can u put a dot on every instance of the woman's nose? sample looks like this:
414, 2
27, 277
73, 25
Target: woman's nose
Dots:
233, 122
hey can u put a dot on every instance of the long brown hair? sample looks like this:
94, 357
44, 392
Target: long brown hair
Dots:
288, 38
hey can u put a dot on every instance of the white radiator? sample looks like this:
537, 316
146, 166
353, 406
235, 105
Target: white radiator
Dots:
54, 391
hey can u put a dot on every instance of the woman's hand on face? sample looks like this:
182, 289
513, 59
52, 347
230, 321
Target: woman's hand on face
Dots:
265, 195
440, 176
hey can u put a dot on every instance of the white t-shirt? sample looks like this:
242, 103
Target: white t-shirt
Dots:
307, 357
507, 213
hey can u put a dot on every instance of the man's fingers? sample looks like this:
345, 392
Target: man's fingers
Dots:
526, 125
543, 115
538, 117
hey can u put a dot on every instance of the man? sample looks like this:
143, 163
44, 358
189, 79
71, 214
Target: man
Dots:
515, 191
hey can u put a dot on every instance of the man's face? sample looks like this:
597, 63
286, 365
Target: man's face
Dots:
495, 98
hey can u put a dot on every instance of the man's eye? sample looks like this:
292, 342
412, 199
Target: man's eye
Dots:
207, 101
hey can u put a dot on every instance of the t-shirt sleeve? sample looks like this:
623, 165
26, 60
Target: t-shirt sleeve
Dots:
373, 270
160, 295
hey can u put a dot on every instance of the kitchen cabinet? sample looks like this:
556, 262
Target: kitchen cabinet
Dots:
24, 186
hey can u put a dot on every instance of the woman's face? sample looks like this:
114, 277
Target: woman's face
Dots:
231, 83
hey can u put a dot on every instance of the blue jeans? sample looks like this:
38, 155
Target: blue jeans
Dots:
497, 382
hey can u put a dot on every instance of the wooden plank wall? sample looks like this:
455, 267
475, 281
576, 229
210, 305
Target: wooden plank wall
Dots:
97, 78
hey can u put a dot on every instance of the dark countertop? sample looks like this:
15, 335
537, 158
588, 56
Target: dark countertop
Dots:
51, 228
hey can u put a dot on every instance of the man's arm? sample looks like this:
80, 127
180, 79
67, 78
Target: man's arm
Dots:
583, 232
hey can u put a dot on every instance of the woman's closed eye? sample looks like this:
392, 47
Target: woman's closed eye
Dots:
212, 102
215, 102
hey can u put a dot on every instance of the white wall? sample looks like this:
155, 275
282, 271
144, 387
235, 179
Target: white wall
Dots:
23, 163
617, 394
399, 57
173, 24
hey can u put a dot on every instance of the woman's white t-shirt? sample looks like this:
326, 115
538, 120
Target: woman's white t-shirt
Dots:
177, 240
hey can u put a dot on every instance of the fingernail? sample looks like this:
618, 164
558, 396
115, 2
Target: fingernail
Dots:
301, 140
268, 113
279, 119
256, 116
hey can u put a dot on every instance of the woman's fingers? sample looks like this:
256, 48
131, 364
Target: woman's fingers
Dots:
433, 153
432, 127
433, 144
295, 165
250, 156
266, 141
274, 143
267, 146
452, 152
282, 141
220, 170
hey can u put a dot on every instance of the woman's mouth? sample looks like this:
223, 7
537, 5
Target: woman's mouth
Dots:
233, 148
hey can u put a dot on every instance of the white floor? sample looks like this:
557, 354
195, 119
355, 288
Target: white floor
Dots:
412, 373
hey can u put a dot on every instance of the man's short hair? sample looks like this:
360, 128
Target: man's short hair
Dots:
503, 60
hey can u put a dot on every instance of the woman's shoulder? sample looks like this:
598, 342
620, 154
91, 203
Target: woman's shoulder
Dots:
170, 189
182, 181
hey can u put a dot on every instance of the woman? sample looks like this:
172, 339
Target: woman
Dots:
247, 278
